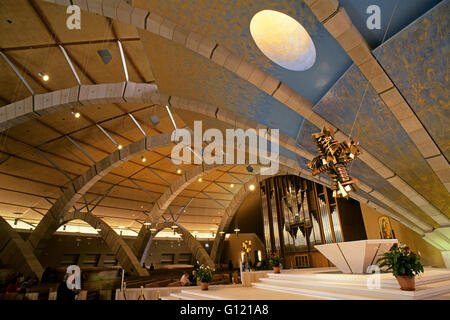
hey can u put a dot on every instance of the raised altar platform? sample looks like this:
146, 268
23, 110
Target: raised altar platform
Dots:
355, 256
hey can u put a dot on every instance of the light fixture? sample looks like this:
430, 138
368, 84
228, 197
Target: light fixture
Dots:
44, 76
119, 147
147, 223
179, 171
236, 230
143, 159
232, 185
76, 114
200, 179
251, 187
152, 229
250, 169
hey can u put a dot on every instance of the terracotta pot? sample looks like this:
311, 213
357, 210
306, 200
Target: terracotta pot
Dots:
276, 269
204, 285
406, 283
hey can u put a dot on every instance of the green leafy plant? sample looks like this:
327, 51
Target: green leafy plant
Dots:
205, 273
401, 261
275, 260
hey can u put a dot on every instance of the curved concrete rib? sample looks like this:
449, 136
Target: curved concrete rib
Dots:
210, 49
115, 243
43, 104
198, 252
14, 251
83, 183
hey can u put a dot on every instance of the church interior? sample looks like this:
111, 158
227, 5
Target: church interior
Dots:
224, 150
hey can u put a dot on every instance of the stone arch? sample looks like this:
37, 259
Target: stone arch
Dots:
198, 252
18, 253
84, 95
52, 219
115, 243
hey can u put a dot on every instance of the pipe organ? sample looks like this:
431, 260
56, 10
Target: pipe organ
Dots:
298, 214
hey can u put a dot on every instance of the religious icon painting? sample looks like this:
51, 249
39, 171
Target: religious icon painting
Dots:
385, 228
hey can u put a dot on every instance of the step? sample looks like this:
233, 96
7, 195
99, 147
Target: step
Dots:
316, 293
204, 294
422, 292
387, 280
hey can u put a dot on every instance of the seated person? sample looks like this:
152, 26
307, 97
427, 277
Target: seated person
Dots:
193, 278
185, 279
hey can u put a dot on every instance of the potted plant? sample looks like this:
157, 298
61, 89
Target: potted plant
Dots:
275, 261
205, 275
404, 264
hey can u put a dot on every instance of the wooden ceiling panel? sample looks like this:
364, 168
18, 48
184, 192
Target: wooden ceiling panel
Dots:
21, 198
125, 126
64, 121
66, 149
50, 61
87, 56
25, 185
136, 57
33, 133
131, 194
11, 87
154, 187
30, 170
100, 112
72, 168
93, 26
11, 146
127, 169
24, 26
94, 137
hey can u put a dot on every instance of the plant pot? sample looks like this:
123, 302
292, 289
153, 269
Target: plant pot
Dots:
204, 285
406, 283
276, 269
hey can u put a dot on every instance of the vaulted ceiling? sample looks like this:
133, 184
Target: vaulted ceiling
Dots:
37, 157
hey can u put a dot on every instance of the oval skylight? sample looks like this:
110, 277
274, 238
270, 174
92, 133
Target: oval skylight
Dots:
283, 40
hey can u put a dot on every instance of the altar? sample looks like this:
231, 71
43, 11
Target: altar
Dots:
355, 256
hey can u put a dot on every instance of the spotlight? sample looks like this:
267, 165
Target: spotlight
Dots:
152, 229
250, 169
252, 187
232, 185
179, 171
143, 159
119, 147
44, 76
200, 179
147, 223
76, 114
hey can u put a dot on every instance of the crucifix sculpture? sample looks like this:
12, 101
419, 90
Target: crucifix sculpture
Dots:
333, 159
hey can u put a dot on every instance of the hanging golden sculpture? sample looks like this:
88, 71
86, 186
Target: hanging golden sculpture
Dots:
333, 159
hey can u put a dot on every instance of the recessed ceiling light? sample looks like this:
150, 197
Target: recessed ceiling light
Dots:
76, 114
200, 179
143, 159
44, 76
232, 185
252, 187
179, 171
119, 147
